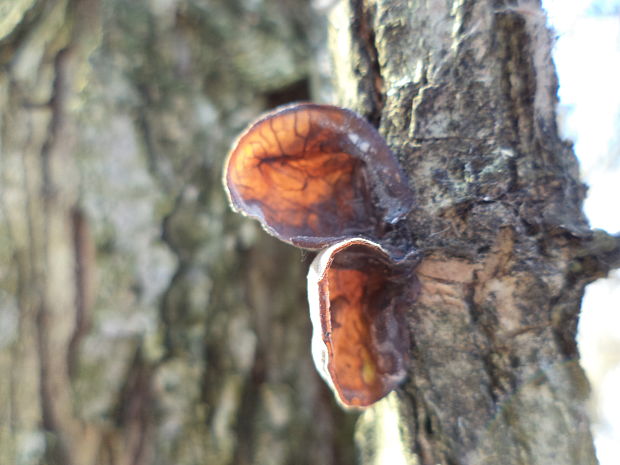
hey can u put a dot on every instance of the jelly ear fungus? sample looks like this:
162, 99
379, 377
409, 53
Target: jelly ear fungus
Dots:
314, 174
321, 177
357, 303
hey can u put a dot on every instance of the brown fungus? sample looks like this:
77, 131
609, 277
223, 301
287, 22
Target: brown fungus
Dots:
360, 340
314, 174
320, 176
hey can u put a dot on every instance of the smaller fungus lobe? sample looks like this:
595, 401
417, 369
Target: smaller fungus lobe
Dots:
357, 307
314, 174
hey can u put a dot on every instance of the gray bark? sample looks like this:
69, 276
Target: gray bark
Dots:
142, 321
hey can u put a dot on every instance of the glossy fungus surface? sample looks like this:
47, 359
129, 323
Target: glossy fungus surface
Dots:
358, 297
321, 177
314, 174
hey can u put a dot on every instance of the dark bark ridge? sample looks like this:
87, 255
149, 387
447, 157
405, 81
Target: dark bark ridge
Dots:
469, 107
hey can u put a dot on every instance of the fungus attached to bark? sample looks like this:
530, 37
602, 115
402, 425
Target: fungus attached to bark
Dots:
320, 176
357, 301
314, 174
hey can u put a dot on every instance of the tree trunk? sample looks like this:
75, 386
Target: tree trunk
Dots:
142, 322
465, 94
153, 326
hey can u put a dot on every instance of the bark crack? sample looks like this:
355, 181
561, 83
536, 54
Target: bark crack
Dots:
364, 33
83, 250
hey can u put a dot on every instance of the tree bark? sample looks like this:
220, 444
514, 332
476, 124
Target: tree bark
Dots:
465, 94
153, 326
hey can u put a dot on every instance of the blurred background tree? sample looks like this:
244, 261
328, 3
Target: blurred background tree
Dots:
142, 321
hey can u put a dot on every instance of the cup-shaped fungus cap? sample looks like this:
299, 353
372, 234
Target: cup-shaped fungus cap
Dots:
314, 174
358, 298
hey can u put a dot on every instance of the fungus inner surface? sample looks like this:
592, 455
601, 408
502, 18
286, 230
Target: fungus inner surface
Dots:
363, 324
307, 173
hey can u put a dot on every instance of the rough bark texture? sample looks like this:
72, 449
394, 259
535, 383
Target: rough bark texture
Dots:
142, 322
465, 93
